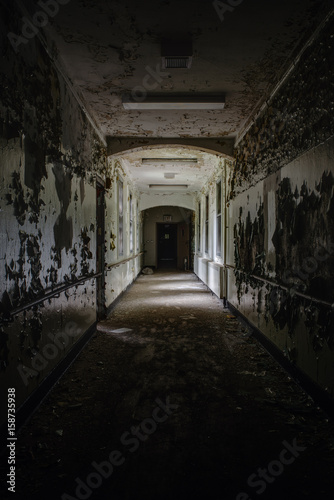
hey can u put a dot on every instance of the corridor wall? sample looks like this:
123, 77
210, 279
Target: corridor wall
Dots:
124, 260
280, 217
49, 157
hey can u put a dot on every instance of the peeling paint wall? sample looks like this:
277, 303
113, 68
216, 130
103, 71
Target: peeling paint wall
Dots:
49, 157
298, 118
281, 221
119, 274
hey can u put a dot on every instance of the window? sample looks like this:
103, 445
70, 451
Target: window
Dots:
137, 227
207, 224
199, 228
219, 218
131, 223
120, 219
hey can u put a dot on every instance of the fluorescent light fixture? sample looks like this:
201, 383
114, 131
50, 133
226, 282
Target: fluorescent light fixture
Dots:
174, 102
161, 161
168, 187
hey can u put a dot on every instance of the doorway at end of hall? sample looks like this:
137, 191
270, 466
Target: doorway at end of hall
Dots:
167, 246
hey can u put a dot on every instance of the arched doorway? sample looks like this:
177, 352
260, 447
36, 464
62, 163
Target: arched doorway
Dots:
168, 237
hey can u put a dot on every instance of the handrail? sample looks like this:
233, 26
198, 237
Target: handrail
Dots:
53, 293
110, 266
273, 283
62, 288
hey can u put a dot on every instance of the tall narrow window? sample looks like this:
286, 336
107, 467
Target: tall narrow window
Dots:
137, 227
199, 228
131, 223
207, 224
120, 219
219, 218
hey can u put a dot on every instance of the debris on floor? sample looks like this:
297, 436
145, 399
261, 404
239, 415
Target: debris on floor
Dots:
147, 270
191, 407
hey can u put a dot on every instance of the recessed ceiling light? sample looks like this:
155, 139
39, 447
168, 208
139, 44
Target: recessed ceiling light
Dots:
174, 102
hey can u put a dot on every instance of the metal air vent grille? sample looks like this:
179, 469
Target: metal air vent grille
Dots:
180, 62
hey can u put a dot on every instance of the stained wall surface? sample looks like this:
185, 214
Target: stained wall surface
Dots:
122, 267
49, 157
281, 218
282, 250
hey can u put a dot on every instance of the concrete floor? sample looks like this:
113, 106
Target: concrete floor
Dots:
173, 399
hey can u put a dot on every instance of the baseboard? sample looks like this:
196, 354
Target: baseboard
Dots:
29, 407
319, 395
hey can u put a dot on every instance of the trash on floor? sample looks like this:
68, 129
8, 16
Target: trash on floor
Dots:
147, 270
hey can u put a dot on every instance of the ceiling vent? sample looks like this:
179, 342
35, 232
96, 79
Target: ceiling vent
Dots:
176, 54
170, 62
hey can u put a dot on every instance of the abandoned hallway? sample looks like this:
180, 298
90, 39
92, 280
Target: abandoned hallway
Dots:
167, 249
231, 410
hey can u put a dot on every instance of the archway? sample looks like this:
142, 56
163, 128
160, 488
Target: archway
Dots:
168, 237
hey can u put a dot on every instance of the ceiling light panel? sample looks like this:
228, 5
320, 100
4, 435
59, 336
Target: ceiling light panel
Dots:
168, 187
161, 161
174, 102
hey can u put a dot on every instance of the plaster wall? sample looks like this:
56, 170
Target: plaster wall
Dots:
49, 157
209, 258
281, 210
280, 218
119, 274
184, 200
294, 249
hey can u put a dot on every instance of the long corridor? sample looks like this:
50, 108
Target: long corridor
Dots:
174, 399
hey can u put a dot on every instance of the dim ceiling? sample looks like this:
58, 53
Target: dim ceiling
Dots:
109, 48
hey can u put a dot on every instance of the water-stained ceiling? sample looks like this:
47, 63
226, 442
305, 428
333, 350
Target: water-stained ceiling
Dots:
240, 48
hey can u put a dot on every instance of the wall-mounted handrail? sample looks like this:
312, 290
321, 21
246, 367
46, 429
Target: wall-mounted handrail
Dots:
111, 266
53, 293
288, 289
